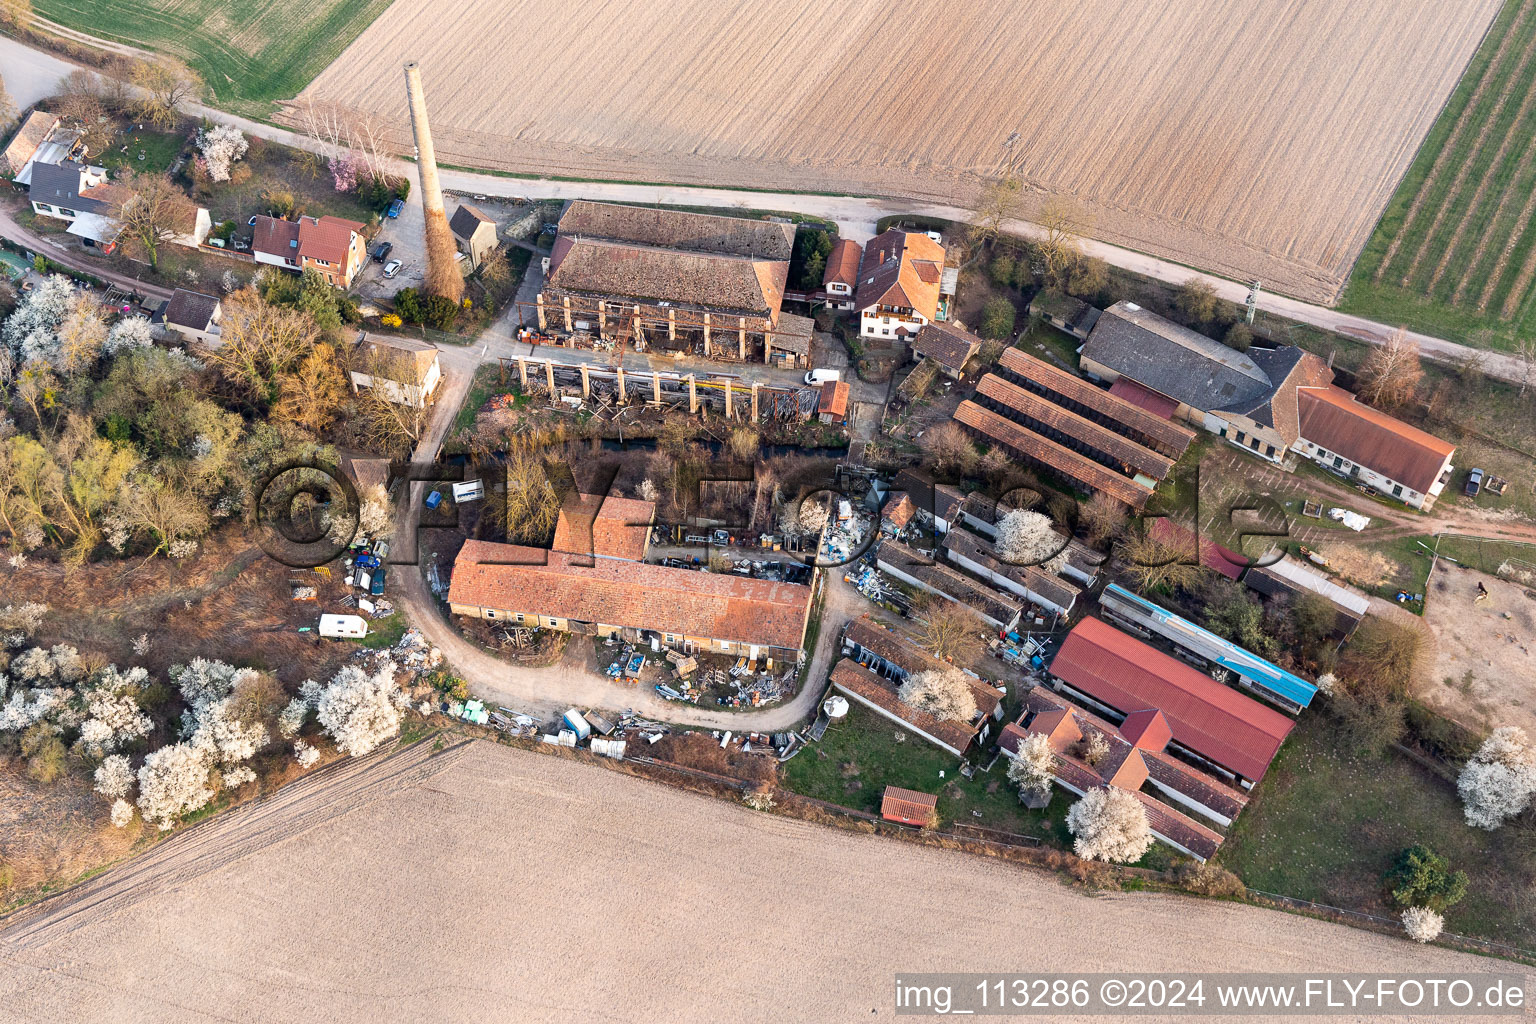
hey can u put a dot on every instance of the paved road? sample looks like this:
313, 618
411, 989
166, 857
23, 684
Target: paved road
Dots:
856, 216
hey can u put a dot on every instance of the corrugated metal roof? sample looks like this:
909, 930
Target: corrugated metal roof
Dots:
907, 806
1241, 660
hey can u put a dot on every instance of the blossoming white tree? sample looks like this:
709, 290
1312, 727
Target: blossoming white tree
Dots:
114, 778
221, 146
944, 694
1499, 780
130, 332
31, 331
173, 781
359, 710
122, 813
306, 755
112, 710
1030, 538
291, 719
1034, 767
1422, 924
1110, 825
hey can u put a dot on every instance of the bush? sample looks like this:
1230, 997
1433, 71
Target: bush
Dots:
1422, 878
439, 311
997, 319
390, 320
1239, 336
1208, 879
1003, 266
408, 305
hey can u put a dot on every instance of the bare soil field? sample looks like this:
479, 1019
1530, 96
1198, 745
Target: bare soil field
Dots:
1485, 651
1252, 140
481, 883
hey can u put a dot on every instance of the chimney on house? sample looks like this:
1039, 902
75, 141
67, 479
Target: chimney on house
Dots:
443, 277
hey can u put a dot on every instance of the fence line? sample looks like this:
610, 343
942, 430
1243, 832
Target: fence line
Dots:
1486, 945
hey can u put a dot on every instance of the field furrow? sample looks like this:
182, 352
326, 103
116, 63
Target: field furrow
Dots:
1451, 145
1508, 259
1488, 263
1514, 148
1452, 198
1182, 129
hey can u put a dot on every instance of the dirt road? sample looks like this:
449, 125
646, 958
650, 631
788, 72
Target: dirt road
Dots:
482, 883
71, 258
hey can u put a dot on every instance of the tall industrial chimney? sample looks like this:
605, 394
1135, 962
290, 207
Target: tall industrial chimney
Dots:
443, 277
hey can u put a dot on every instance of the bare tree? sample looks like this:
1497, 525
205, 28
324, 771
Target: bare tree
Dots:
530, 505
1103, 517
1156, 564
260, 342
153, 211
394, 409
1525, 351
164, 510
950, 448
164, 84
313, 391
1197, 299
1001, 200
951, 632
1391, 373
370, 134
1060, 250
86, 112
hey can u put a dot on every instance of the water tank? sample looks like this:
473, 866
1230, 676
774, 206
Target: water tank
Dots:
835, 706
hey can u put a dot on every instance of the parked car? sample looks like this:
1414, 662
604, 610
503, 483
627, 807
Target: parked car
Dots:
1474, 483
395, 207
823, 376
381, 251
241, 244
217, 243
377, 586
392, 268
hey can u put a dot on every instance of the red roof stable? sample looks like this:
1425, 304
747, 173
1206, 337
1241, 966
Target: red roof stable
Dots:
1146, 729
1144, 397
1210, 719
908, 806
1332, 419
608, 527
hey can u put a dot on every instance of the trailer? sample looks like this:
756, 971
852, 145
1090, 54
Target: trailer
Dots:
469, 490
578, 723
343, 627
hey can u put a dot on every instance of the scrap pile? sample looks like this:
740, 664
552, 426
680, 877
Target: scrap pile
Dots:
412, 651
846, 534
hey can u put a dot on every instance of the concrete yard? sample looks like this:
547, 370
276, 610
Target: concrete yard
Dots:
486, 884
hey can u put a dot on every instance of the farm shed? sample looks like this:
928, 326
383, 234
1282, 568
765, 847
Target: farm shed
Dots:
1226, 732
1365, 444
1063, 312
908, 807
949, 346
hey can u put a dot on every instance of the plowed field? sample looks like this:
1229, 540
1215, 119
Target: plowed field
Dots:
1256, 140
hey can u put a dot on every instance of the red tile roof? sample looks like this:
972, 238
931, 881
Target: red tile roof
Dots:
1213, 720
899, 509
1074, 392
843, 263
834, 398
327, 239
1144, 398
901, 268
608, 527
1118, 451
276, 238
907, 806
1147, 729
1332, 419
511, 578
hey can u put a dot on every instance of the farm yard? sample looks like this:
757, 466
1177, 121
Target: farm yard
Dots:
1188, 133
1455, 253
250, 52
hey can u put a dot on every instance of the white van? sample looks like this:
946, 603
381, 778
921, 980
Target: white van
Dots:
823, 376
